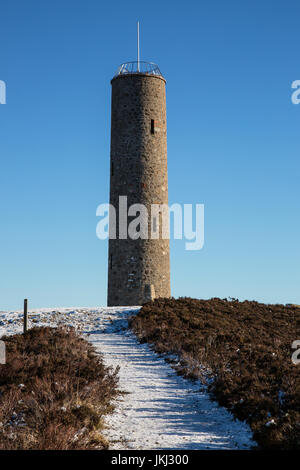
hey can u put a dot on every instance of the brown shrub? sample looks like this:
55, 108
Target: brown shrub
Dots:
246, 349
54, 392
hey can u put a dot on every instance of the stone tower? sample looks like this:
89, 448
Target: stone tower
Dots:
138, 270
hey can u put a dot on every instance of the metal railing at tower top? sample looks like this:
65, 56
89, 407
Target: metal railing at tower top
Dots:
148, 68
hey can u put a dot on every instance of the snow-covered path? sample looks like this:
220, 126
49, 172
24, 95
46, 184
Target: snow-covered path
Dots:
159, 409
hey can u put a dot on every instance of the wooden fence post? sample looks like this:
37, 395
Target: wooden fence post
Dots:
25, 316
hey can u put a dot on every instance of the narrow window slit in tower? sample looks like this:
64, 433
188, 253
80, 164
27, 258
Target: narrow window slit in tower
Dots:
154, 225
152, 126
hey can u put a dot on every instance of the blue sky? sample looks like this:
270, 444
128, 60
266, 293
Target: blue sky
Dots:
233, 143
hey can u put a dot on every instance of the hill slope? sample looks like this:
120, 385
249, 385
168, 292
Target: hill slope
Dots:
159, 410
246, 346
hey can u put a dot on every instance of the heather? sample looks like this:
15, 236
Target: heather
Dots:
54, 392
242, 350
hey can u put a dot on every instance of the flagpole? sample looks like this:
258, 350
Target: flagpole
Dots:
138, 46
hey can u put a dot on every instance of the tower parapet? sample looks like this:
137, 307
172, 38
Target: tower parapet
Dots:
139, 67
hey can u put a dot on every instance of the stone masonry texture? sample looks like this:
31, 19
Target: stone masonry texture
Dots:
138, 270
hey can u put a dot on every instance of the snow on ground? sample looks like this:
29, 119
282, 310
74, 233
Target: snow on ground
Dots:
159, 410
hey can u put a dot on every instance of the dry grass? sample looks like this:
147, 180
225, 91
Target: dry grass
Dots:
54, 392
246, 346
